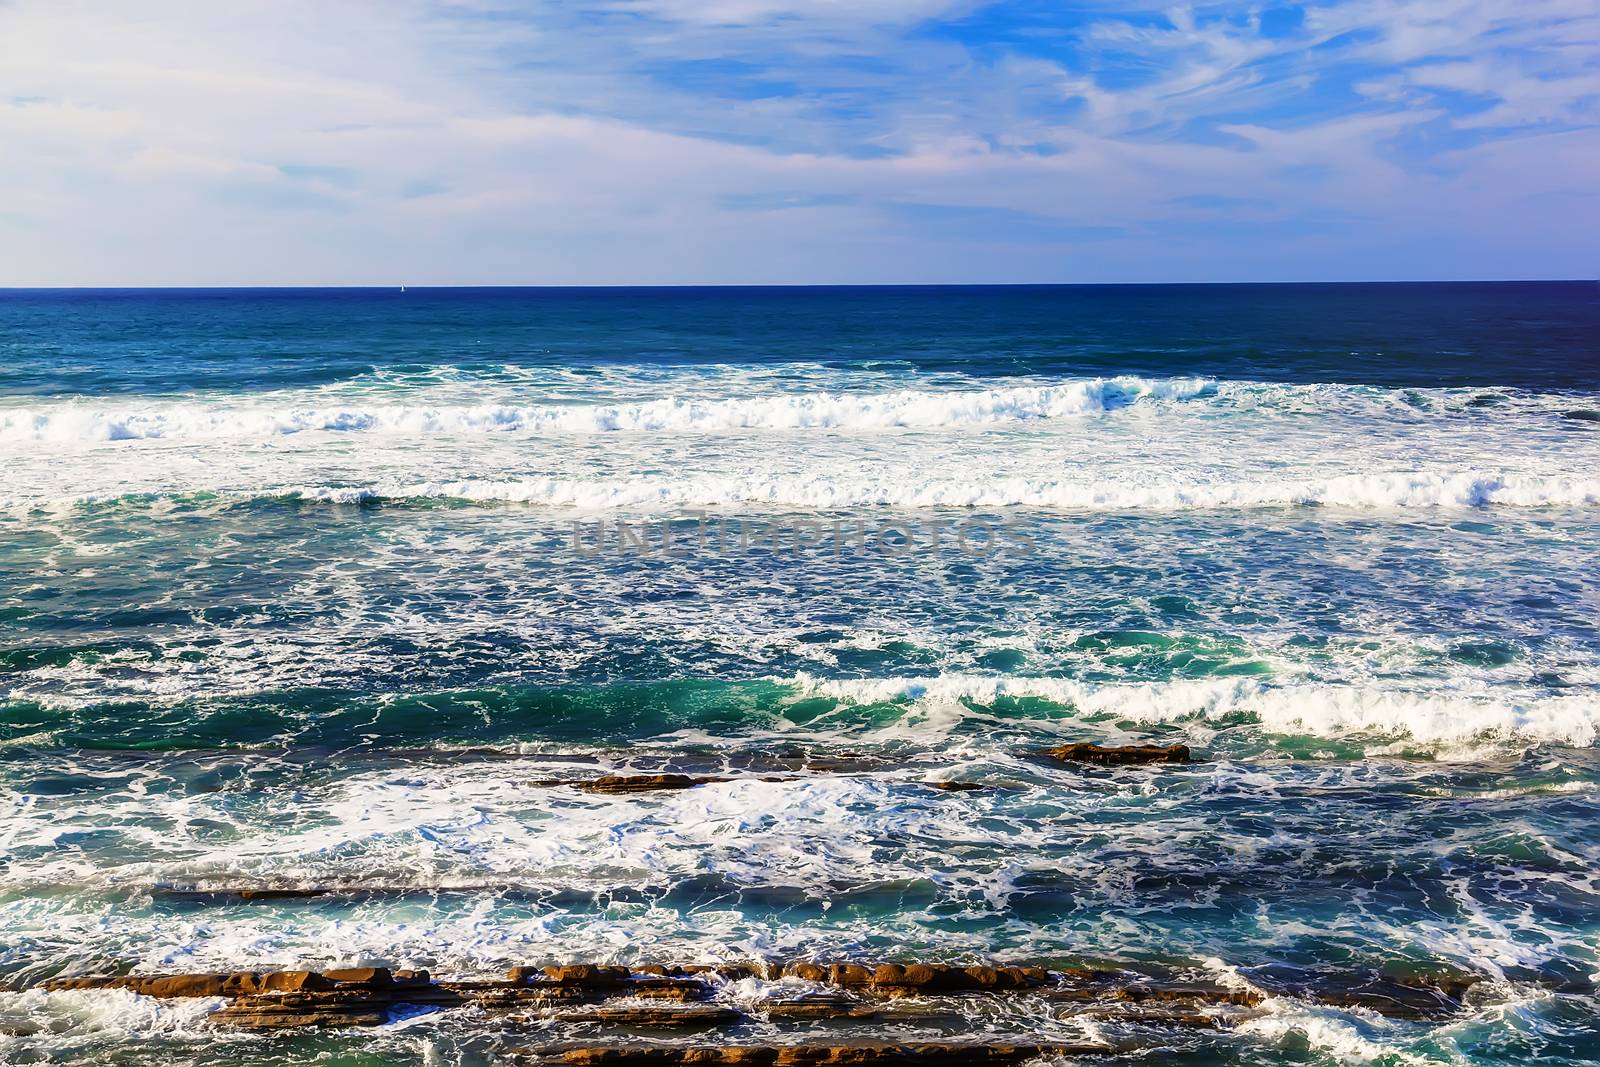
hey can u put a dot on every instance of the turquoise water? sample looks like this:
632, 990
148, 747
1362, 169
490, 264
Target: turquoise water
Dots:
308, 589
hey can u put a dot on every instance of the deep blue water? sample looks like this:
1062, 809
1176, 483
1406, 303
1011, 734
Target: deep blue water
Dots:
1531, 334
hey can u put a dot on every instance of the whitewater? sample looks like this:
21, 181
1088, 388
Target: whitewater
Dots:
1100, 444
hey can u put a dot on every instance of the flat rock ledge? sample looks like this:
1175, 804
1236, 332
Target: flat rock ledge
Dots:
1118, 755
682, 996
628, 784
922, 1054
615, 784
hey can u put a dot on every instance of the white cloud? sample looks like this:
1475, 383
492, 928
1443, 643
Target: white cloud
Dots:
298, 142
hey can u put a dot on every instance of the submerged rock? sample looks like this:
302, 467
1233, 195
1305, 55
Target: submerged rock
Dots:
588, 975
921, 977
1084, 752
605, 993
1414, 996
281, 894
644, 783
951, 1053
818, 1006
293, 1010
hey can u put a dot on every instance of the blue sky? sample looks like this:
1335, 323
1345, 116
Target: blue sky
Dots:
684, 141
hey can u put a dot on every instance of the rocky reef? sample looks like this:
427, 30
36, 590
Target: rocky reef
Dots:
873, 1000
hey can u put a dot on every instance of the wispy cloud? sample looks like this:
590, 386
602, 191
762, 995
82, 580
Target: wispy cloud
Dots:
767, 140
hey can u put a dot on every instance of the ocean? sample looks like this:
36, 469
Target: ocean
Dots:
317, 605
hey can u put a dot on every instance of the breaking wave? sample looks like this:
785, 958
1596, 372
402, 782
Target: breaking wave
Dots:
1319, 710
88, 422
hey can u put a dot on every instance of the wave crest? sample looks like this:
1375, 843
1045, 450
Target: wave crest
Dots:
1319, 710
78, 421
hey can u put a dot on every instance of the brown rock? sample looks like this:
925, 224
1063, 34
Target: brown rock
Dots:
733, 972
678, 989
288, 1011
684, 1015
151, 985
926, 1054
893, 978
241, 983
588, 975
185, 985
1104, 990
1171, 1015
294, 982
829, 1006
850, 974
644, 783
954, 787
1119, 755
373, 977
993, 978
506, 994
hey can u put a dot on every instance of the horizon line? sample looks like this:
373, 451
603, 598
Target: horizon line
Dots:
397, 287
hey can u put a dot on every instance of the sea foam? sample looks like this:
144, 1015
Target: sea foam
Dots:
1398, 489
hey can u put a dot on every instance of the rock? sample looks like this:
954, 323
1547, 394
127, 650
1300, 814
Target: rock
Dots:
1123, 754
358, 996
1112, 988
241, 983
684, 1015
644, 783
923, 1054
1392, 998
1168, 1015
157, 985
954, 787
373, 977
679, 989
894, 978
817, 1007
889, 974
588, 975
186, 985
850, 974
294, 982
502, 995
290, 1010
810, 972
733, 972
1188, 993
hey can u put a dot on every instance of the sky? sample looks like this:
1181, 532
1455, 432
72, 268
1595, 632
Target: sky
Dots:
233, 142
